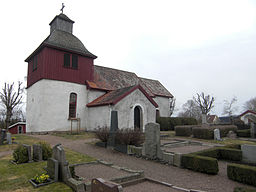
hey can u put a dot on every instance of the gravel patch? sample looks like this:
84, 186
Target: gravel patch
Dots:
185, 149
147, 186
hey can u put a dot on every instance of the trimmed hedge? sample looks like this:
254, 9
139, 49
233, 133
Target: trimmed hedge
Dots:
242, 173
168, 123
200, 164
185, 130
239, 189
224, 129
221, 153
244, 133
230, 154
202, 132
233, 146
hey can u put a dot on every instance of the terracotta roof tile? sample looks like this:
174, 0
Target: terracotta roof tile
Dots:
111, 79
115, 96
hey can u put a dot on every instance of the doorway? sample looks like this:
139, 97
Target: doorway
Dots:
138, 118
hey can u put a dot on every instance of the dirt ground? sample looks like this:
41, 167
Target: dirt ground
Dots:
170, 174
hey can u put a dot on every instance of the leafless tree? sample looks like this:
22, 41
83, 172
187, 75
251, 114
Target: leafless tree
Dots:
190, 109
205, 102
250, 105
172, 105
10, 99
229, 107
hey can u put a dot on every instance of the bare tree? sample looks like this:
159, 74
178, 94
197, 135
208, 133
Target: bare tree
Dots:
205, 102
229, 107
250, 105
10, 99
190, 109
172, 105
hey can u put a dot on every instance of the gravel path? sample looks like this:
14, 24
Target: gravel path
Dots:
174, 175
4, 153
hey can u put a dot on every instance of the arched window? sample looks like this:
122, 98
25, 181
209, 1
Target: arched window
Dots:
72, 105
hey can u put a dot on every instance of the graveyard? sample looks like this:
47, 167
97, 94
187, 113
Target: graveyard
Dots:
79, 164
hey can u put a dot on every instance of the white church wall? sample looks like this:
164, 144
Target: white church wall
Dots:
126, 106
48, 105
94, 94
98, 117
163, 105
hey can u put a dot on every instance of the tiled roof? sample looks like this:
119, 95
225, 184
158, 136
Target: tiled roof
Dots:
113, 97
156, 87
248, 111
63, 40
210, 118
111, 79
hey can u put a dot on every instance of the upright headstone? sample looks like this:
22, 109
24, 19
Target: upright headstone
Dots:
2, 136
28, 147
204, 120
249, 153
253, 130
100, 185
9, 138
151, 147
59, 155
232, 135
113, 129
53, 169
37, 152
217, 134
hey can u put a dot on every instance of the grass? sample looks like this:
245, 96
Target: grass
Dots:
14, 178
24, 139
75, 135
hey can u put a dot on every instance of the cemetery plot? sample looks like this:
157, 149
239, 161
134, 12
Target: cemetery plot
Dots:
106, 171
183, 146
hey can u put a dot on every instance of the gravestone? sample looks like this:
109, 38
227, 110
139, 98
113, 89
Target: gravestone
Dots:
232, 135
2, 136
53, 169
217, 134
204, 120
113, 129
100, 185
9, 138
28, 147
151, 147
59, 155
249, 153
253, 130
37, 152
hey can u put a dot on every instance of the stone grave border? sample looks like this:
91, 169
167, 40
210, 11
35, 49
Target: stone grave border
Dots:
50, 181
133, 174
134, 182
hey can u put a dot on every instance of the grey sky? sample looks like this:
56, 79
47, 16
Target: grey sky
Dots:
189, 46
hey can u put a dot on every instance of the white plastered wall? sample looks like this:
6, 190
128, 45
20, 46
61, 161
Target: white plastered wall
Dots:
163, 105
126, 106
48, 105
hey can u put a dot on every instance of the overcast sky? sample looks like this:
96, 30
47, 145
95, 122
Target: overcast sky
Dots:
189, 46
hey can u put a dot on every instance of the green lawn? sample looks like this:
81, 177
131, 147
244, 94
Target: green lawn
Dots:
15, 177
75, 135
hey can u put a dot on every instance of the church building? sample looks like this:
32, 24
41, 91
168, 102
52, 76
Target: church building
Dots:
65, 88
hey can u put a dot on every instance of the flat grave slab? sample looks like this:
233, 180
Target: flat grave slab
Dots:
185, 149
91, 171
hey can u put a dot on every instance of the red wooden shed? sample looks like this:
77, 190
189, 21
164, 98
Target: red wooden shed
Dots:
18, 128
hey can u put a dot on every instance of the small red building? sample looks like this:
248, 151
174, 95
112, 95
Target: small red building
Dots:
18, 128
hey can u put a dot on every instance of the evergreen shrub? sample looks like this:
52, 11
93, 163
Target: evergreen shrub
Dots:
200, 164
183, 130
168, 123
244, 133
202, 132
242, 173
20, 154
46, 150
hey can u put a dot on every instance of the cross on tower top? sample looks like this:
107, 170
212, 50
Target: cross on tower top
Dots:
62, 7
